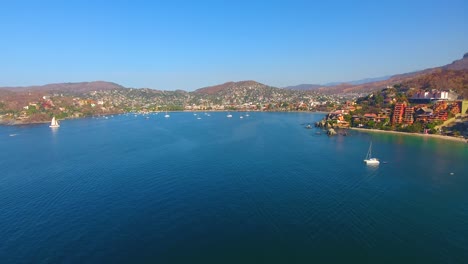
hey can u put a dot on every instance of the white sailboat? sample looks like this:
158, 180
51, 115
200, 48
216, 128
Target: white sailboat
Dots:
369, 160
54, 122
167, 115
229, 115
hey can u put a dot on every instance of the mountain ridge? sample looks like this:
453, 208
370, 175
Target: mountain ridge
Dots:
74, 87
303, 87
457, 67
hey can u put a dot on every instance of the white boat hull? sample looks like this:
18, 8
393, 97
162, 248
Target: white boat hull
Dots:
372, 161
369, 160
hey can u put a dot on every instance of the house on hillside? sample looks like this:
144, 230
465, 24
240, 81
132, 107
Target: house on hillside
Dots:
434, 95
370, 117
423, 114
455, 108
442, 116
385, 111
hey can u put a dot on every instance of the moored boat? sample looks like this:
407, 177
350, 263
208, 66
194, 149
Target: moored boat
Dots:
54, 122
369, 160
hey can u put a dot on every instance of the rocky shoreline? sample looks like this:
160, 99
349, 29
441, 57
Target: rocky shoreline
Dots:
11, 122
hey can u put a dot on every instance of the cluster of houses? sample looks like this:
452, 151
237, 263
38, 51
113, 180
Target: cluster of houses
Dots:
46, 103
219, 107
405, 114
253, 106
431, 106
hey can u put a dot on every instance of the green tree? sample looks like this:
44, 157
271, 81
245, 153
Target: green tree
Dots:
371, 124
347, 118
32, 110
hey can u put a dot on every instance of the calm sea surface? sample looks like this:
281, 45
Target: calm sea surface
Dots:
262, 189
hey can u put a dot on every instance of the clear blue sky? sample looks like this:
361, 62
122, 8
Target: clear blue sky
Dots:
191, 44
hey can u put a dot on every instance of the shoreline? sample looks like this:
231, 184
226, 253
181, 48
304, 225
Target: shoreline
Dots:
411, 134
16, 123
20, 123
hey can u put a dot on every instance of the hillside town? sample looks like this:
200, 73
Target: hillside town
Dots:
32, 106
404, 110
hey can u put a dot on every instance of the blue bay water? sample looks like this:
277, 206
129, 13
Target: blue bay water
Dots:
262, 189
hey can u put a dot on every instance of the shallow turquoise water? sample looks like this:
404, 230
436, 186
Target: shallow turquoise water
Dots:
262, 189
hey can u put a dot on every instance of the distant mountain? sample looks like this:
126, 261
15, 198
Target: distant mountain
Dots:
80, 87
435, 78
307, 87
303, 87
362, 81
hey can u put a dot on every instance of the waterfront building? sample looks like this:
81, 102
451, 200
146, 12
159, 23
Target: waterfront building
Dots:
408, 117
398, 112
455, 108
370, 117
423, 114
442, 115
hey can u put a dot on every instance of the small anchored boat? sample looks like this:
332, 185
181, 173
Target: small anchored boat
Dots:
369, 160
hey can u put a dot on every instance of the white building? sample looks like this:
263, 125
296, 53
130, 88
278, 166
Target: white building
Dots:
433, 95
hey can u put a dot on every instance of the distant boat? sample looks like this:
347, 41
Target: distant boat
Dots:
369, 160
229, 115
241, 117
167, 115
54, 122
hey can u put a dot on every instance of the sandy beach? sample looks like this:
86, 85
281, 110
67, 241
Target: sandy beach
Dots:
412, 134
